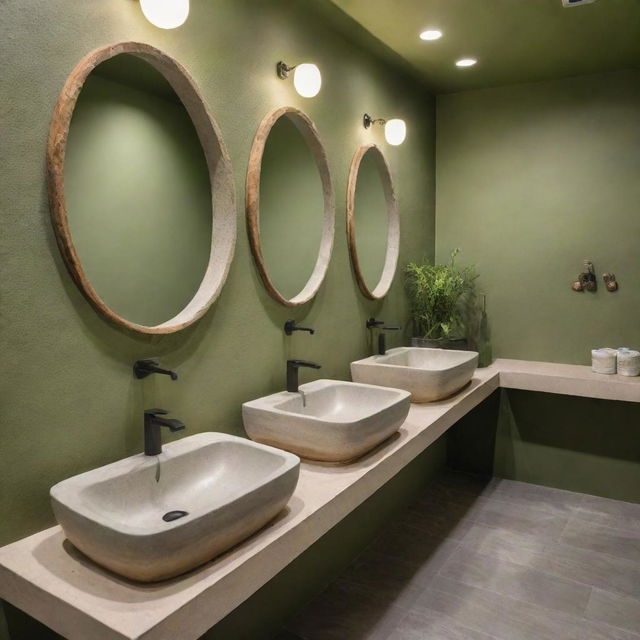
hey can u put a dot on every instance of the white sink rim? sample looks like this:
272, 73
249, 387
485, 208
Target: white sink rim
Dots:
72, 488
274, 401
425, 384
330, 438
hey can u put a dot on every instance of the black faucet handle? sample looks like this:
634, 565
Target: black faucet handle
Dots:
290, 326
147, 366
155, 412
303, 363
372, 322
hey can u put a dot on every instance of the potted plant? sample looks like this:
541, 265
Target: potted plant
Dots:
440, 296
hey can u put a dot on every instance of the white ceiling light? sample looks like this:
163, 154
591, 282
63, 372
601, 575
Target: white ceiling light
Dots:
431, 34
466, 62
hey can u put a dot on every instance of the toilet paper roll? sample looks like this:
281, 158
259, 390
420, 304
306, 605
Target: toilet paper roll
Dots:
604, 360
628, 362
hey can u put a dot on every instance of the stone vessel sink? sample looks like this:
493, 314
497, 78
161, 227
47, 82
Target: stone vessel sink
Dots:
229, 488
327, 420
428, 374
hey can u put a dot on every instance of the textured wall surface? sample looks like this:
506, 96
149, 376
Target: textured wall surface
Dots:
69, 400
532, 179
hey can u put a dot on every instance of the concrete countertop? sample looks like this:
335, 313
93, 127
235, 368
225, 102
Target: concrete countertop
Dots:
44, 576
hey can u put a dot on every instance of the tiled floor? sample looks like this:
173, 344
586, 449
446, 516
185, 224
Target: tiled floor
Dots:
491, 559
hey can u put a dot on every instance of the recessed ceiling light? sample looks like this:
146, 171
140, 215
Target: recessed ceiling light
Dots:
466, 62
431, 34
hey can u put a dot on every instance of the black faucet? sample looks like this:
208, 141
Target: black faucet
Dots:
292, 372
372, 323
144, 368
152, 424
290, 326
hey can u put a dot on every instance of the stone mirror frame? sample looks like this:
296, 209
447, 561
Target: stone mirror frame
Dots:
218, 166
393, 228
308, 131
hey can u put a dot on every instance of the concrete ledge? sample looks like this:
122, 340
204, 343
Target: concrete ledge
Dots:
566, 379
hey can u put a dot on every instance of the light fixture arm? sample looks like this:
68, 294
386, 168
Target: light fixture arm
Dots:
284, 70
367, 120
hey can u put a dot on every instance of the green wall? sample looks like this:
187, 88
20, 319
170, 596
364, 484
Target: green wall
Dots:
532, 179
69, 400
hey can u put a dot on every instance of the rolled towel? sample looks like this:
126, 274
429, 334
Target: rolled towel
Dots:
603, 360
628, 362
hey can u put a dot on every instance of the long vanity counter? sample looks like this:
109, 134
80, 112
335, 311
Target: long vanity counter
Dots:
44, 576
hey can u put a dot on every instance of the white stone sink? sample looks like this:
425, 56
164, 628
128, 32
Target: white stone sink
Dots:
330, 420
428, 374
230, 487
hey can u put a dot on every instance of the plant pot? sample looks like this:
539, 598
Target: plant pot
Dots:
441, 343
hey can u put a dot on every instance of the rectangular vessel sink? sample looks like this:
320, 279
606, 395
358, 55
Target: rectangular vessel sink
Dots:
428, 374
330, 420
229, 488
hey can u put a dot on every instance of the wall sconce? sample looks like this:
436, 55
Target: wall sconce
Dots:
306, 77
395, 130
165, 14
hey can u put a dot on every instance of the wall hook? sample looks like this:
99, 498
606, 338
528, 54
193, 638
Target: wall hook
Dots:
610, 281
587, 279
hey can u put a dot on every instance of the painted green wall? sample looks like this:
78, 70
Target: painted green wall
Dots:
69, 400
532, 179
138, 196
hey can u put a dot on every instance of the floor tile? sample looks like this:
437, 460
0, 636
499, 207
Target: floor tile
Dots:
511, 619
589, 567
490, 559
346, 611
432, 625
614, 609
616, 542
516, 581
610, 513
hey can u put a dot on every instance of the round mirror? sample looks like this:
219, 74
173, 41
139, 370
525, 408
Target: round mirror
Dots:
374, 242
290, 208
141, 189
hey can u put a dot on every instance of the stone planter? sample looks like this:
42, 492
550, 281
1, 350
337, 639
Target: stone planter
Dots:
440, 343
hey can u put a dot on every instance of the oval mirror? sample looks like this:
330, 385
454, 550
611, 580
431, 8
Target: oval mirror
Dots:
290, 207
373, 233
141, 189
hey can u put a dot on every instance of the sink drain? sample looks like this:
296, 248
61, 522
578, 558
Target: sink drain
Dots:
170, 516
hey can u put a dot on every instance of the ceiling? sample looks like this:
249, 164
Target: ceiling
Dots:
513, 40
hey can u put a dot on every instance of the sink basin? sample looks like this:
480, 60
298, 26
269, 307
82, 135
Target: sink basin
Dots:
428, 374
229, 488
330, 420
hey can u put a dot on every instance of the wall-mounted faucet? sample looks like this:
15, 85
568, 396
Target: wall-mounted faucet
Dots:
372, 323
290, 326
292, 373
144, 368
152, 424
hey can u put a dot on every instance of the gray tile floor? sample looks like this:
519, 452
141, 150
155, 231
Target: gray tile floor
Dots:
490, 559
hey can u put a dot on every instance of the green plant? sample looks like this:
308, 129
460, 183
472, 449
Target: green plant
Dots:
438, 296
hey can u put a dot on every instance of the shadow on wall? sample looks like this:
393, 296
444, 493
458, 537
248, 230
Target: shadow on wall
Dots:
580, 444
